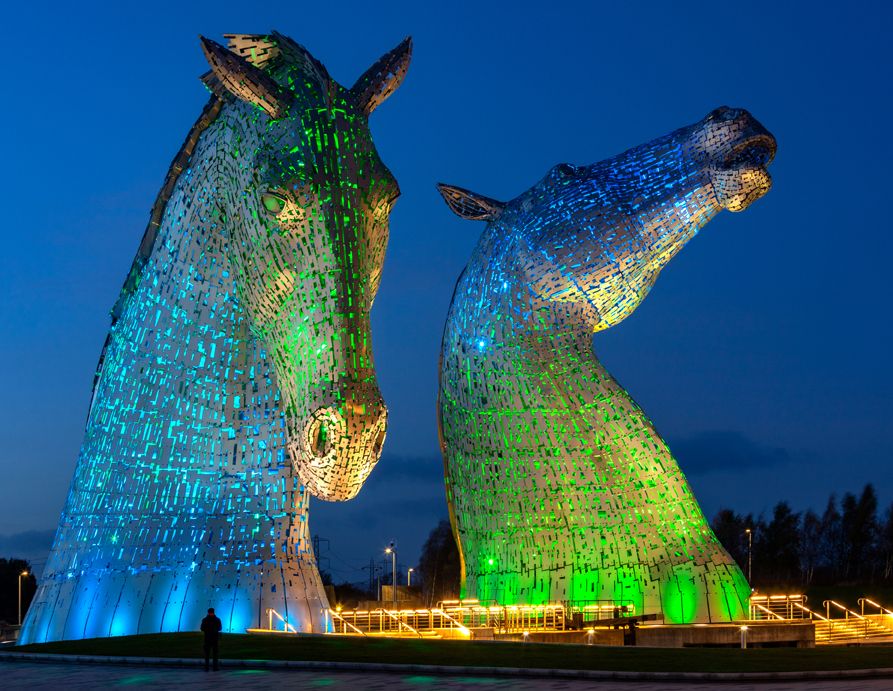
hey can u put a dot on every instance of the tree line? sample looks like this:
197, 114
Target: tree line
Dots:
849, 543
439, 566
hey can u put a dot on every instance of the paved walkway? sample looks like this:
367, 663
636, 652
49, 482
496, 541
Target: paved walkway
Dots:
38, 675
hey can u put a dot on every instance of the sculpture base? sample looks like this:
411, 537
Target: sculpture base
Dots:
120, 603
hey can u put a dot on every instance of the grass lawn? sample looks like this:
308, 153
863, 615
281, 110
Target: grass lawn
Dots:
481, 653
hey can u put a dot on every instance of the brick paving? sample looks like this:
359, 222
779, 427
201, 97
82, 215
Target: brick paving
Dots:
37, 675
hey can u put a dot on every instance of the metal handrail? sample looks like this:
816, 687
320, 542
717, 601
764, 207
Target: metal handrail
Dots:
776, 602
827, 605
271, 612
768, 611
810, 612
400, 623
465, 631
337, 615
863, 600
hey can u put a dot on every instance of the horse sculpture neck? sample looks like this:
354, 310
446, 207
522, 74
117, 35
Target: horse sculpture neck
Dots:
185, 428
560, 488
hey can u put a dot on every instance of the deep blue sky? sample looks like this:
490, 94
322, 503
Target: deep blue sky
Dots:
763, 353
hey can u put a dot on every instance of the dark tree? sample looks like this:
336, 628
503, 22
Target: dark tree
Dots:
847, 544
730, 529
10, 571
832, 543
847, 519
349, 595
779, 546
810, 545
886, 545
439, 565
860, 530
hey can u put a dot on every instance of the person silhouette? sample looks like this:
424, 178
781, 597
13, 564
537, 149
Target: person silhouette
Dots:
211, 627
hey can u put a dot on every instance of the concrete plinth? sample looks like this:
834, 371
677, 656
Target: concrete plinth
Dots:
759, 635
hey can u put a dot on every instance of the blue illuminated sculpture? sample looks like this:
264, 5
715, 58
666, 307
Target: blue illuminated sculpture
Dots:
237, 378
560, 488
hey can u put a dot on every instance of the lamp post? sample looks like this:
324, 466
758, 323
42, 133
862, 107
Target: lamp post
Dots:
393, 552
749, 554
378, 581
21, 576
409, 577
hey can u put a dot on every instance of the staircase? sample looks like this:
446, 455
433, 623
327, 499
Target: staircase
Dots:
838, 625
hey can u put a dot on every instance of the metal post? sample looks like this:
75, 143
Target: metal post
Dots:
749, 555
393, 552
21, 576
409, 577
743, 637
378, 581
394, 575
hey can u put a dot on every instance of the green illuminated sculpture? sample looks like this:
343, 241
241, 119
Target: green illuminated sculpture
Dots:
560, 488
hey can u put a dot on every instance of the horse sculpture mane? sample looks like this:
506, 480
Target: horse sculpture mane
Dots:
237, 377
559, 487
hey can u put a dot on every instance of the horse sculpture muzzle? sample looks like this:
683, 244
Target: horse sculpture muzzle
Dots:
342, 441
738, 165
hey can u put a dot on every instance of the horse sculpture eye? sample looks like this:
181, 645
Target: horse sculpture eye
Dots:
274, 204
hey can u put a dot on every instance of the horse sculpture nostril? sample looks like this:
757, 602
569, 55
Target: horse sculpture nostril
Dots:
318, 441
380, 430
379, 442
322, 431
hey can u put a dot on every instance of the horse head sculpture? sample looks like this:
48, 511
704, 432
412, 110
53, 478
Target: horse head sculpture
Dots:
309, 253
560, 489
237, 378
598, 235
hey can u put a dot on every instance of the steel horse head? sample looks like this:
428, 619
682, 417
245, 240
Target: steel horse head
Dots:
559, 486
307, 240
237, 377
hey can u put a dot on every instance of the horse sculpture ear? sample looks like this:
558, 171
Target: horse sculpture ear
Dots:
243, 80
468, 205
383, 78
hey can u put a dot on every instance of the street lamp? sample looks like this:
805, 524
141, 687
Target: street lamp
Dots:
393, 552
749, 554
378, 581
21, 576
409, 577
